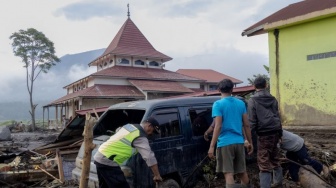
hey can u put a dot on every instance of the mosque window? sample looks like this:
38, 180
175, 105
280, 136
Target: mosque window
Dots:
154, 63
124, 61
139, 62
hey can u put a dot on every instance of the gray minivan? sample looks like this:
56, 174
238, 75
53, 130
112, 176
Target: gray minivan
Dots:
179, 147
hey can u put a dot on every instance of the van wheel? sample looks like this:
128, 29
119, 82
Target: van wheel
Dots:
169, 183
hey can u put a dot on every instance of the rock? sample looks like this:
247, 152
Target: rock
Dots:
310, 180
5, 134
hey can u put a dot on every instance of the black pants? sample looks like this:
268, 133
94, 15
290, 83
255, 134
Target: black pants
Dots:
303, 158
110, 176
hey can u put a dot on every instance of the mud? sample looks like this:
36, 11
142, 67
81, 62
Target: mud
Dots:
320, 142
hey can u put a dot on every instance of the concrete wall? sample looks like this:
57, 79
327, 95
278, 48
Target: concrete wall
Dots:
305, 88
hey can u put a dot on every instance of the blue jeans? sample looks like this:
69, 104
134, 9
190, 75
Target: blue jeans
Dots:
303, 158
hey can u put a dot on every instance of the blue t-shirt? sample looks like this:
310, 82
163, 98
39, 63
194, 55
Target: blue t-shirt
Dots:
231, 109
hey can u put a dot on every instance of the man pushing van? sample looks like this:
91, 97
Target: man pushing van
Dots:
120, 147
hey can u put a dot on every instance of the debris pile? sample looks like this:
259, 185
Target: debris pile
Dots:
37, 160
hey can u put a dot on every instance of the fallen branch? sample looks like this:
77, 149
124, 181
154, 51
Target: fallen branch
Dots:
312, 171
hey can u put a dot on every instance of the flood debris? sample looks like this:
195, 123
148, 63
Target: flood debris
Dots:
35, 160
308, 179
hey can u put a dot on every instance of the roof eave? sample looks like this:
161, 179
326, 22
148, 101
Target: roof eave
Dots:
253, 30
164, 59
301, 19
316, 15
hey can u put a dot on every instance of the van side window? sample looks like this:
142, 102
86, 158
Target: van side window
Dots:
200, 119
169, 123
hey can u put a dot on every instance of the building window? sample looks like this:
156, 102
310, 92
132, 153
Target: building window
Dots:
139, 62
212, 87
105, 64
124, 61
154, 63
111, 61
321, 56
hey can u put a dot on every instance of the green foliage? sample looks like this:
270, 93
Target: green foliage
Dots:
209, 169
251, 80
8, 122
34, 49
37, 53
267, 78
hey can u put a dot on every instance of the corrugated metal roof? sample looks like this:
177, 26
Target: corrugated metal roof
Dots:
291, 11
160, 86
144, 73
241, 91
104, 91
207, 74
129, 41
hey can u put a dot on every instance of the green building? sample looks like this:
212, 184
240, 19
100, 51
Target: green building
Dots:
302, 61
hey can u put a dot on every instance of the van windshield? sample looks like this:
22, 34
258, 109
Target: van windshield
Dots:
115, 118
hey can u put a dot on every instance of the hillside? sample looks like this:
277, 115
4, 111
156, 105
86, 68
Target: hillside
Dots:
48, 87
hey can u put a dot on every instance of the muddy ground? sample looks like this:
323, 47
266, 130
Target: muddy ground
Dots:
321, 145
320, 141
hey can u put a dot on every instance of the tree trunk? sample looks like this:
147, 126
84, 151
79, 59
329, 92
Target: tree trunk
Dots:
88, 147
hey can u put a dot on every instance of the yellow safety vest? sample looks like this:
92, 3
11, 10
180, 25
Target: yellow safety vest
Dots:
119, 147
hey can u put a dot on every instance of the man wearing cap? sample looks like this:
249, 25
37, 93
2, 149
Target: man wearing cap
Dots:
120, 147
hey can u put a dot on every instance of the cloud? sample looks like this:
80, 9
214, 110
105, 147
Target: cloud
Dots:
229, 61
85, 10
77, 72
195, 33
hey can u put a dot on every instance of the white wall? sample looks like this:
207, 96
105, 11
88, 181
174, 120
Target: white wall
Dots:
109, 81
191, 85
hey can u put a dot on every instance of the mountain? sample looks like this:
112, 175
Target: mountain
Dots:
48, 87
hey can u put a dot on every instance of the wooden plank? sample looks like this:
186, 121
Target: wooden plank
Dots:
88, 147
60, 165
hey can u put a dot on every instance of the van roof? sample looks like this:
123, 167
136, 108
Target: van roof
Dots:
145, 104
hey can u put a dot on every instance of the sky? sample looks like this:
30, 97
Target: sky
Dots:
195, 33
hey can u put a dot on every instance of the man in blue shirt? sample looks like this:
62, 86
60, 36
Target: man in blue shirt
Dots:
230, 119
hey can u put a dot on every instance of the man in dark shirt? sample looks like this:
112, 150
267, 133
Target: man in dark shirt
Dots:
265, 119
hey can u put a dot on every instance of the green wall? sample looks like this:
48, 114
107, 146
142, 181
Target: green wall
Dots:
306, 90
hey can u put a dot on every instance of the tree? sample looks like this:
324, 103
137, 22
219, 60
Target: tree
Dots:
37, 53
251, 80
267, 78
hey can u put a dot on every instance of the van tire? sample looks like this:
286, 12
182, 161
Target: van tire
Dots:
169, 183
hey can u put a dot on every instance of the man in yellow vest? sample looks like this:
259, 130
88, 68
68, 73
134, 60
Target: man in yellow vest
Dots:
116, 151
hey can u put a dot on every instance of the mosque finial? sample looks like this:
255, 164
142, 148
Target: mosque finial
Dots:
128, 12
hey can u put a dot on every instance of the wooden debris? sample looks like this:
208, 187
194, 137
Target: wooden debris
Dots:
88, 147
60, 165
311, 180
50, 175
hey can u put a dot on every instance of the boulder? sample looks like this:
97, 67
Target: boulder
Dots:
5, 133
